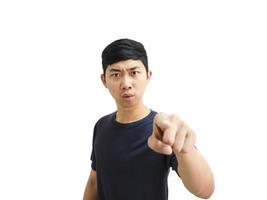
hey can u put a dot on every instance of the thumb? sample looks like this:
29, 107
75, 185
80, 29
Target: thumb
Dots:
158, 146
159, 129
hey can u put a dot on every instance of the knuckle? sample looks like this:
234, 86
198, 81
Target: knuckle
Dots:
182, 132
176, 146
185, 129
168, 140
175, 117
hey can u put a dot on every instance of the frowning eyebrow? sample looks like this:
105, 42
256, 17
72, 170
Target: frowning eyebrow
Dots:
134, 68
118, 70
114, 70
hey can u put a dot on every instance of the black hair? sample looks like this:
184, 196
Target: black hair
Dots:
123, 49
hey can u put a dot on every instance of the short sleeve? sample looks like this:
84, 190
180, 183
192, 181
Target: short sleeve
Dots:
171, 161
93, 164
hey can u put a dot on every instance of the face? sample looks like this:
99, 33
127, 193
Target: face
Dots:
126, 82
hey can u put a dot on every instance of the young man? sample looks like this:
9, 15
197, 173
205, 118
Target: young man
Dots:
135, 147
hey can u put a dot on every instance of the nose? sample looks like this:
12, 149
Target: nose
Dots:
126, 83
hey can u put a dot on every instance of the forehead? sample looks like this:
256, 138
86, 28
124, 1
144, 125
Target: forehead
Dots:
126, 64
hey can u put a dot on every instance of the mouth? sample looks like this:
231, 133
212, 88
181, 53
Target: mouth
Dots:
127, 96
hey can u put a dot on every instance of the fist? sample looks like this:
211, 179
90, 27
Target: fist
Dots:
171, 134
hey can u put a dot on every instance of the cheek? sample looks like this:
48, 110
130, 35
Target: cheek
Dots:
113, 89
141, 86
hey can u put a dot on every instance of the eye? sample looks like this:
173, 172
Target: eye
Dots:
115, 75
134, 73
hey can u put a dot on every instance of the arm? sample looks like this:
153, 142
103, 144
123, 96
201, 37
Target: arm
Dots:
171, 134
90, 192
195, 173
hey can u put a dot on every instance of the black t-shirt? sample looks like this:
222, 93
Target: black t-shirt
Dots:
127, 169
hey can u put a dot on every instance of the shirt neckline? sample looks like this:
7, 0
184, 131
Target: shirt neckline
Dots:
131, 124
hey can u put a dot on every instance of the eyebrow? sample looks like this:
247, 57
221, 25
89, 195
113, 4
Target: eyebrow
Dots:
118, 70
114, 70
133, 68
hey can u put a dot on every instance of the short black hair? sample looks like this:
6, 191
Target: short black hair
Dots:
124, 49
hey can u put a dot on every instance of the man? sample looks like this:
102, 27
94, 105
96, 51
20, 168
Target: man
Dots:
135, 147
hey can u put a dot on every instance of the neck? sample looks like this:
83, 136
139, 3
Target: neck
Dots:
131, 114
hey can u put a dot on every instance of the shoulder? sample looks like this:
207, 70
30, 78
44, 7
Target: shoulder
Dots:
153, 113
105, 119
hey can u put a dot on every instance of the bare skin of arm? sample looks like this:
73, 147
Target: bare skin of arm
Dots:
90, 192
171, 134
195, 173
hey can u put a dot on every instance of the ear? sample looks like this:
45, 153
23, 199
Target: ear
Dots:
149, 74
103, 79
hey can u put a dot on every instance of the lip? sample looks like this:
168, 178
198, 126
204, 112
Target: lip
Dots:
127, 96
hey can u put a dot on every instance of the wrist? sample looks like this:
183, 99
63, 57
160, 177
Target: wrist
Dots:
183, 152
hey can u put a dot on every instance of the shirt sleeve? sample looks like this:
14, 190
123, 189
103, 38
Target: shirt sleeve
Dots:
93, 163
171, 161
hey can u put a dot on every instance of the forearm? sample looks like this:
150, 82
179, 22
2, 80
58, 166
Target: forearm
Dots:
90, 192
195, 173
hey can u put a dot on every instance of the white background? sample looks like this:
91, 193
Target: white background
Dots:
208, 60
